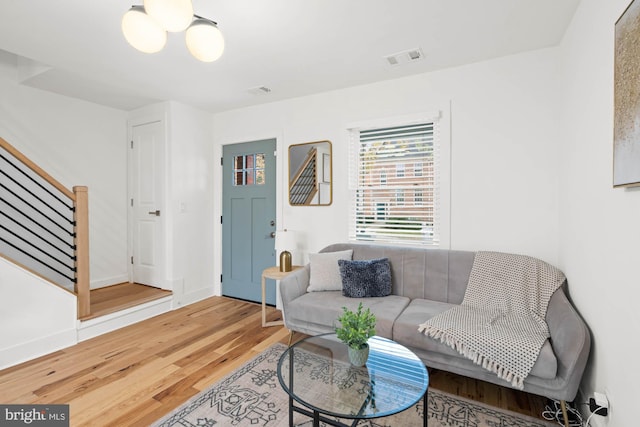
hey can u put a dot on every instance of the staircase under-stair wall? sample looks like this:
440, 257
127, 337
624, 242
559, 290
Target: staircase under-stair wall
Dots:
36, 316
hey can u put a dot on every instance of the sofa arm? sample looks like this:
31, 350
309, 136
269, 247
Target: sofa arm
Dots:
293, 286
570, 340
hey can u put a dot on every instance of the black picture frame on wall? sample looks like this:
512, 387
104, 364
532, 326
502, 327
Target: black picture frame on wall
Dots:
626, 121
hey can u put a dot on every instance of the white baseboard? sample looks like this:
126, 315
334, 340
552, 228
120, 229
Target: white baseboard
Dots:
191, 297
110, 322
109, 281
36, 348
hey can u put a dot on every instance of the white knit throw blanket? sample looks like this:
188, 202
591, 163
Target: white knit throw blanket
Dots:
500, 324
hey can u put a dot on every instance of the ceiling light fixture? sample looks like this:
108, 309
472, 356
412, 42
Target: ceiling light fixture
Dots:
145, 28
172, 15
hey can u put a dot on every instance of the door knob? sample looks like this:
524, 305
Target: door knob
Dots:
273, 234
156, 213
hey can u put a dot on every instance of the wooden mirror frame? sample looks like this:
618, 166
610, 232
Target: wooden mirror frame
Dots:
311, 174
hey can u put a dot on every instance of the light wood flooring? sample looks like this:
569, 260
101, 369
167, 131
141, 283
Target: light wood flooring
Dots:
121, 296
135, 375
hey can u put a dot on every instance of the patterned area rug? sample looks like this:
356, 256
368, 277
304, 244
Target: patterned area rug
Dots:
252, 396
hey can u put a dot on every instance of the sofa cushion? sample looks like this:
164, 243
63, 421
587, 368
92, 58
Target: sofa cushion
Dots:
365, 278
324, 272
405, 331
324, 308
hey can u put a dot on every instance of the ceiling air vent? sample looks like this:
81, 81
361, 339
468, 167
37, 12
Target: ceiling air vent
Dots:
260, 90
405, 57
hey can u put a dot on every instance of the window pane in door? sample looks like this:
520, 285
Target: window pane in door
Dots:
238, 178
248, 169
238, 162
260, 178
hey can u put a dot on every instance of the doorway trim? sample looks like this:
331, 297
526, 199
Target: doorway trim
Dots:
150, 115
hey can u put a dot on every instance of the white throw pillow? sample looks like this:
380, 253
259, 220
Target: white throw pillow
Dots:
325, 272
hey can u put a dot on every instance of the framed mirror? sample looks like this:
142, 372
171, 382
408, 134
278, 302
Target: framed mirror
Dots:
310, 174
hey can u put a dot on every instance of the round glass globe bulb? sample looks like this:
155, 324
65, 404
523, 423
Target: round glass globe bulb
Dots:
204, 40
142, 32
172, 15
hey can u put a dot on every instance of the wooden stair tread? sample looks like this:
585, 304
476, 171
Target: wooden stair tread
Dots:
119, 297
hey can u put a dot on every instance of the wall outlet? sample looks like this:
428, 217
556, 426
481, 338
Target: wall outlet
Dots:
601, 400
599, 404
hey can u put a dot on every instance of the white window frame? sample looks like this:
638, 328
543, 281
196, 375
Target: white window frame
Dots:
442, 139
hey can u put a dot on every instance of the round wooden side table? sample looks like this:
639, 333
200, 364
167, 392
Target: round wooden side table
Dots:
275, 274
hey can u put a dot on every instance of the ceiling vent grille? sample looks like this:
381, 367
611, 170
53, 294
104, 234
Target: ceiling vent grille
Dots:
405, 57
260, 90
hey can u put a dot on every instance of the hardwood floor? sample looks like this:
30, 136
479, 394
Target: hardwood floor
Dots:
135, 375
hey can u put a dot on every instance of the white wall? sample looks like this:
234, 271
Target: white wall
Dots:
600, 231
78, 143
191, 198
23, 335
504, 149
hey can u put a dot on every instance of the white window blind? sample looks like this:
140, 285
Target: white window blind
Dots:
390, 207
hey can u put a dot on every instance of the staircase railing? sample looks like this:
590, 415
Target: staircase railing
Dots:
304, 185
44, 226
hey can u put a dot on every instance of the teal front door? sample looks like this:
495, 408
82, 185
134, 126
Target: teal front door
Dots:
248, 218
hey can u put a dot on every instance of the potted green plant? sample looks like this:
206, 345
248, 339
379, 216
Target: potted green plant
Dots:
355, 330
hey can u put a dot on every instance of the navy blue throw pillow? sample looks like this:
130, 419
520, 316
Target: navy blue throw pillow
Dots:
368, 278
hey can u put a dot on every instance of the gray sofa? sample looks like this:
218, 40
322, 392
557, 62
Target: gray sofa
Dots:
426, 282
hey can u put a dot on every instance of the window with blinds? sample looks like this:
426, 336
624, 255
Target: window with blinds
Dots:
394, 184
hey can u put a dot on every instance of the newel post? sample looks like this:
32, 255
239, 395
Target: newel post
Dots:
81, 240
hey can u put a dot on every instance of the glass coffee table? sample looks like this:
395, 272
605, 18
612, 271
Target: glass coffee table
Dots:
316, 373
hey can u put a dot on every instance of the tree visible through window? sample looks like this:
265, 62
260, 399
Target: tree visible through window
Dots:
400, 149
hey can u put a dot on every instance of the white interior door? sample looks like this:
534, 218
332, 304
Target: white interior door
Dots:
146, 192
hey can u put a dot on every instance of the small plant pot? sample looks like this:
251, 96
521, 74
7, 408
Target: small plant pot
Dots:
358, 357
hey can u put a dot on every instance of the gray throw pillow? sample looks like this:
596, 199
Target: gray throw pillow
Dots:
365, 278
325, 274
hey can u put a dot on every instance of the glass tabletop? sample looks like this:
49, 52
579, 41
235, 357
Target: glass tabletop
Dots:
316, 372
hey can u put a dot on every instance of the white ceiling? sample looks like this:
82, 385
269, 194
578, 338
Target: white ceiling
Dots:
293, 47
